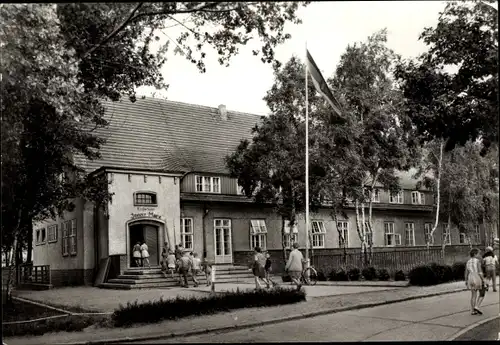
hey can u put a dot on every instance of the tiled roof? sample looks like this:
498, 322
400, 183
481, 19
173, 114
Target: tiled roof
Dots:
162, 135
155, 134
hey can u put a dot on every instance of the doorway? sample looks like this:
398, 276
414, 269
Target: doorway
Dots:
145, 233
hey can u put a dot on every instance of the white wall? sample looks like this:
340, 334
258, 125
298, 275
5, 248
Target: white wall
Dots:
121, 208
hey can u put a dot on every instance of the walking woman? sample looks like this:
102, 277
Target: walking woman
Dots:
145, 254
490, 265
258, 268
474, 281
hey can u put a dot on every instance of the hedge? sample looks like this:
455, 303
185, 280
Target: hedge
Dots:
433, 274
156, 311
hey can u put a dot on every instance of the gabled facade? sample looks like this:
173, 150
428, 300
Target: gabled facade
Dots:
165, 165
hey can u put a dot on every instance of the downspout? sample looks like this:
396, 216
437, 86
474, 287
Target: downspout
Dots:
205, 214
96, 240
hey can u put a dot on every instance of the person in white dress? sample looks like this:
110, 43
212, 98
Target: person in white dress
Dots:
474, 280
145, 254
490, 261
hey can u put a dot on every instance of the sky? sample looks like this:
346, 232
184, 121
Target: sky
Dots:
327, 27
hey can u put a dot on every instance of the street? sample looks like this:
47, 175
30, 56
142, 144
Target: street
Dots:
434, 318
487, 331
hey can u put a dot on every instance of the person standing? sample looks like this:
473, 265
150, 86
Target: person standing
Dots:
195, 268
268, 269
171, 263
259, 261
207, 268
474, 281
184, 267
490, 266
137, 254
164, 255
294, 266
145, 254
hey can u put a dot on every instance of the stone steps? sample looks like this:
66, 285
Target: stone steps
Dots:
141, 278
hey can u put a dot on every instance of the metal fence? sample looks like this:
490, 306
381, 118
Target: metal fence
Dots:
29, 274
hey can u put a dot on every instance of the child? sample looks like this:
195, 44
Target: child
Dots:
184, 267
195, 268
171, 263
145, 254
137, 254
474, 281
208, 271
268, 269
490, 262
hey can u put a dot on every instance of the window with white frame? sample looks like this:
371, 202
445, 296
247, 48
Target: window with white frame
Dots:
43, 236
375, 194
391, 238
207, 184
477, 234
258, 234
368, 234
427, 233
446, 234
409, 234
417, 198
291, 235
37, 236
343, 228
318, 234
72, 237
65, 238
187, 233
396, 198
52, 233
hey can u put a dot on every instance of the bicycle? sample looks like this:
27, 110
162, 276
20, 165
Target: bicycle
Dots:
309, 276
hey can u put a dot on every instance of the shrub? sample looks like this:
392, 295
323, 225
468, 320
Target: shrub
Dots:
399, 276
354, 274
321, 276
339, 275
458, 269
369, 273
443, 273
383, 274
155, 311
286, 278
422, 276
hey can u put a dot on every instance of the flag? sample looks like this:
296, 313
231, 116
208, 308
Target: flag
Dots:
321, 85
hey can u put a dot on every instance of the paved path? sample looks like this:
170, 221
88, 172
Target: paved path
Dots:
242, 317
428, 319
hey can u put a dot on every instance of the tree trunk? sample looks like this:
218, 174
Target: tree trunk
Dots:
438, 196
283, 239
29, 258
12, 269
359, 229
341, 236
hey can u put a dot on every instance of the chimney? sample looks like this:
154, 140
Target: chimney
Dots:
223, 112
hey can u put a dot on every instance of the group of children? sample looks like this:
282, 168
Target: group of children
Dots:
141, 254
184, 262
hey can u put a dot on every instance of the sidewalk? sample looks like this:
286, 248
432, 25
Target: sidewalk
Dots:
242, 318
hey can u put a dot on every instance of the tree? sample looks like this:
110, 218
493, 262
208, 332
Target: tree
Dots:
271, 168
60, 61
460, 106
364, 81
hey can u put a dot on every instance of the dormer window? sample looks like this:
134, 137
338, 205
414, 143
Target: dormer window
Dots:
396, 198
145, 199
207, 184
417, 198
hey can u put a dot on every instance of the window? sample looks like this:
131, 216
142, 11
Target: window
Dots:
38, 236
446, 234
476, 235
417, 198
396, 198
343, 227
427, 233
375, 194
239, 189
207, 184
187, 233
391, 239
258, 233
72, 237
145, 199
43, 236
462, 238
52, 233
65, 238
409, 234
291, 235
318, 234
368, 234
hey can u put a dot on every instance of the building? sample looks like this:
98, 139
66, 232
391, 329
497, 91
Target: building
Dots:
164, 163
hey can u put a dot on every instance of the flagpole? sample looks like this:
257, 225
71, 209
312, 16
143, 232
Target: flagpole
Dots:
307, 164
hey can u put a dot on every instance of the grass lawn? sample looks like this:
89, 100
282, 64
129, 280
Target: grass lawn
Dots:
22, 311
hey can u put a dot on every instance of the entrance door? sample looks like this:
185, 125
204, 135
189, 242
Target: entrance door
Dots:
222, 241
145, 233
